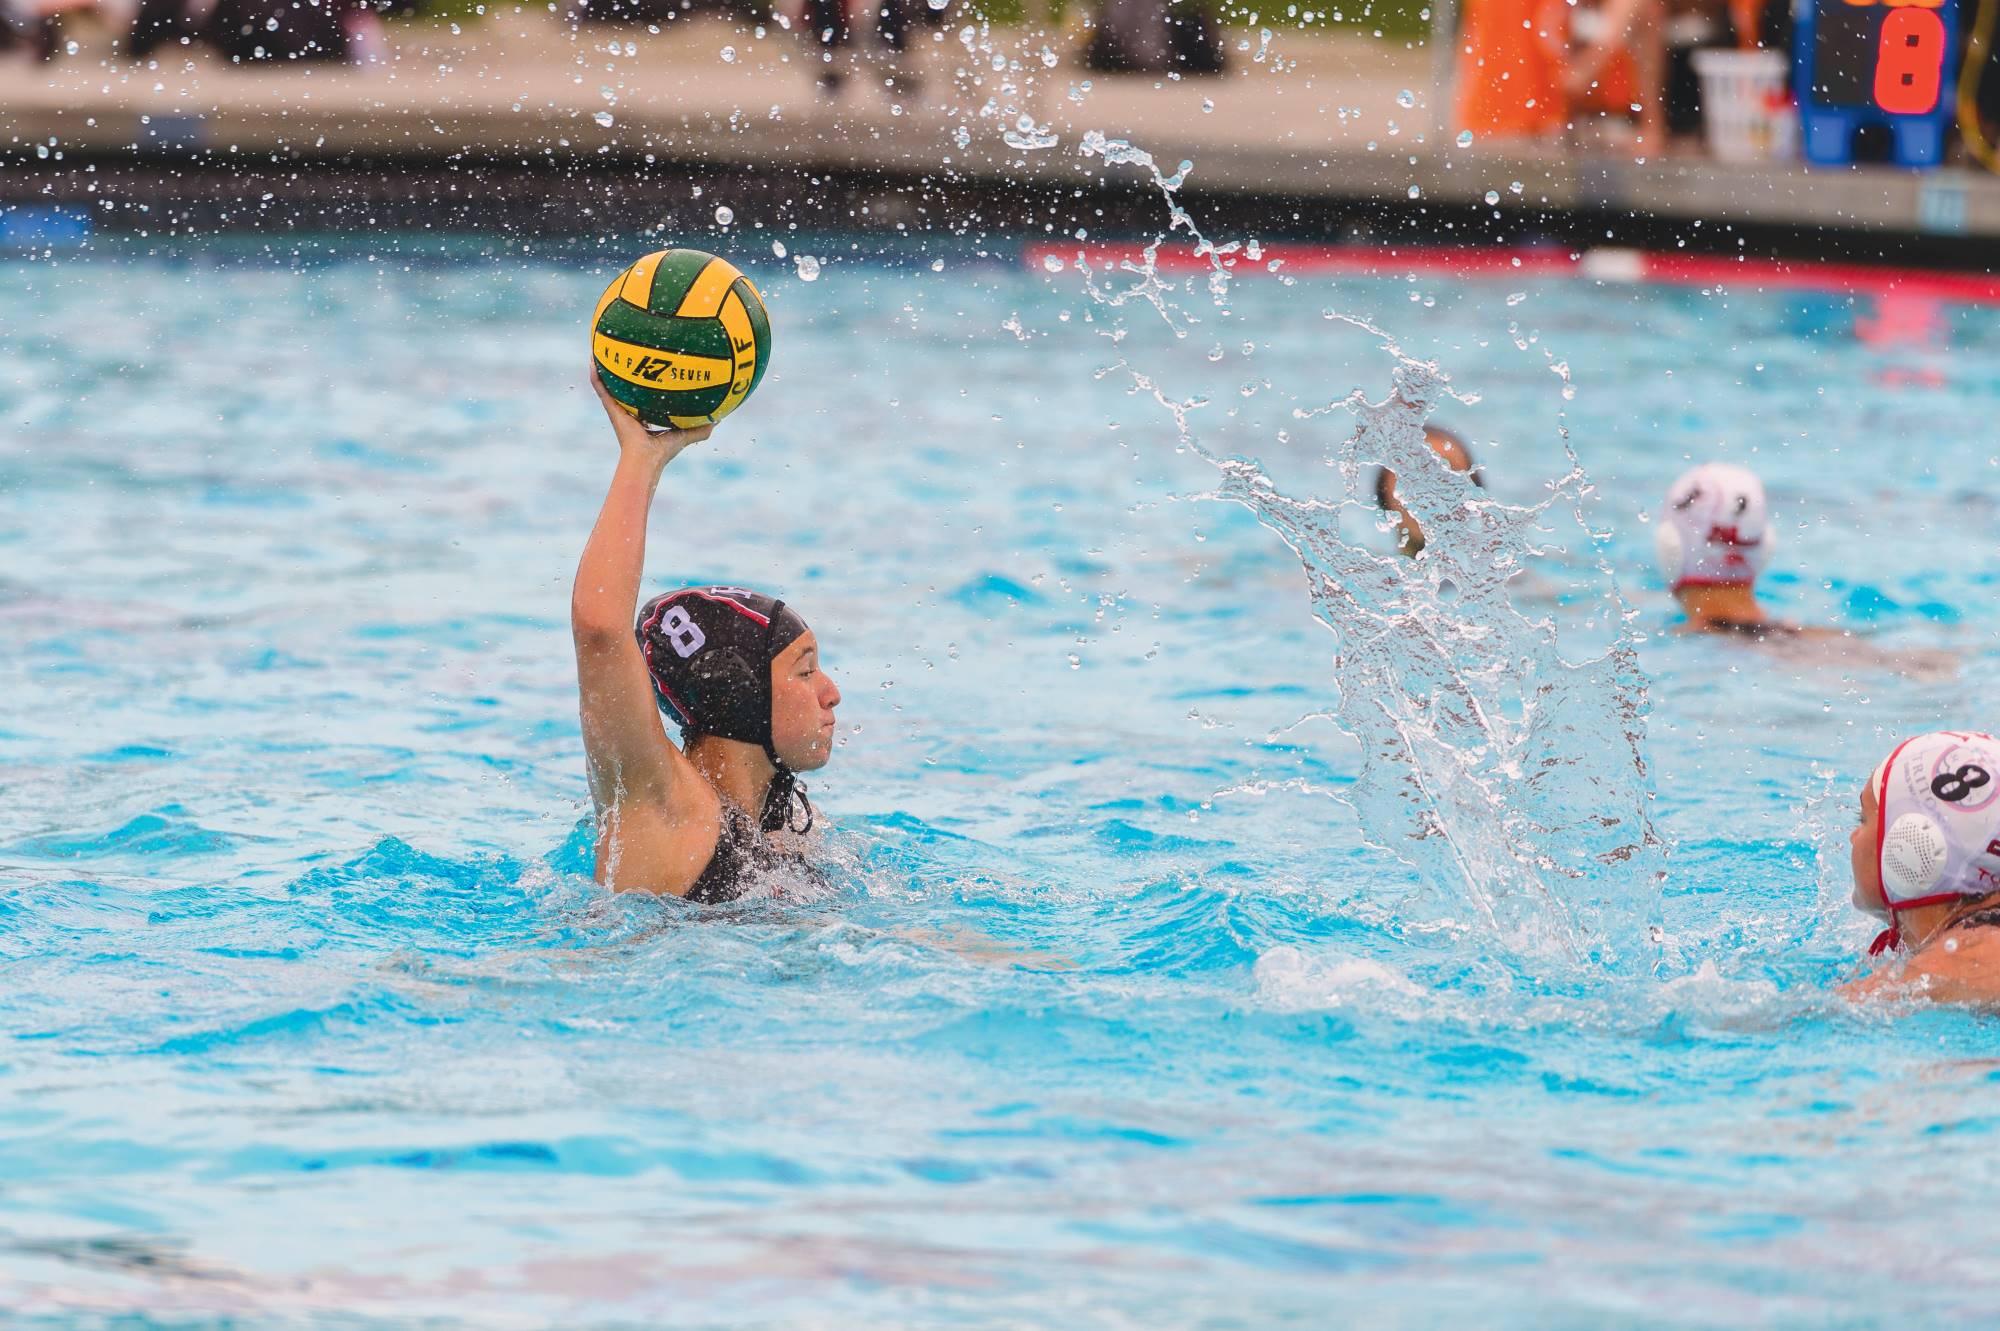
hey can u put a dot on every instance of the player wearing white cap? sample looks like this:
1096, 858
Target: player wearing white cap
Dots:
1713, 538
1926, 859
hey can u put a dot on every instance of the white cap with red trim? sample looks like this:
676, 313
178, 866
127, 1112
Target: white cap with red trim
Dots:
1938, 830
1713, 531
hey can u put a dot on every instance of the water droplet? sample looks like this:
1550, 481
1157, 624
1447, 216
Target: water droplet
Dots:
1493, 196
778, 248
937, 265
808, 268
961, 136
1406, 99
603, 118
1207, 106
1052, 263
724, 214
1515, 187
1465, 138
728, 55
939, 5
1414, 191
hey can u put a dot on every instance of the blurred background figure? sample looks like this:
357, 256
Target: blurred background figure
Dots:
839, 32
1551, 69
749, 13
1533, 68
1510, 69
244, 31
37, 26
1615, 59
1155, 37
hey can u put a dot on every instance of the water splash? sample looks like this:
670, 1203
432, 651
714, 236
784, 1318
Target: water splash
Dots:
1513, 779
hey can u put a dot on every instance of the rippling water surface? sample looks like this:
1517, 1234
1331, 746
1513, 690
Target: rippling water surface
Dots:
313, 1014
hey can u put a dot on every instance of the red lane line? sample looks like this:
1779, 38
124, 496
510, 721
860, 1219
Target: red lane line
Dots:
1857, 279
1626, 265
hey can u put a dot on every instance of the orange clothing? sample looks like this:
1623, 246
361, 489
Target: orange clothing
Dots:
1509, 75
1510, 71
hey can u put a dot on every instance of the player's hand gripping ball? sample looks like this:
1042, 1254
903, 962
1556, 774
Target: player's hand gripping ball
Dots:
680, 339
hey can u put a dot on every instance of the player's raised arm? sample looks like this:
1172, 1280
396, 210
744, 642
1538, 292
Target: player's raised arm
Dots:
625, 746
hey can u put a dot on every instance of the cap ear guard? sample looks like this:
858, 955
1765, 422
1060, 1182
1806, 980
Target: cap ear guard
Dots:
1914, 853
1668, 550
1759, 554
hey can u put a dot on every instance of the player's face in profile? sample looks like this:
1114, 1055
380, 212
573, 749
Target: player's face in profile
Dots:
803, 697
1867, 871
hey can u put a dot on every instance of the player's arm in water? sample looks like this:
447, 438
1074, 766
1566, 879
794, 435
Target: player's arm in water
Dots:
1934, 873
653, 809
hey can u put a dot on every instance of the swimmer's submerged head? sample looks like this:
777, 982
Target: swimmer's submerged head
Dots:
1714, 530
1457, 455
740, 665
1930, 827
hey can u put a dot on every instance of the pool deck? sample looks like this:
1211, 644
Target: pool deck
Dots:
1323, 122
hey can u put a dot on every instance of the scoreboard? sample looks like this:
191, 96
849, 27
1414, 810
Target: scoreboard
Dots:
1866, 62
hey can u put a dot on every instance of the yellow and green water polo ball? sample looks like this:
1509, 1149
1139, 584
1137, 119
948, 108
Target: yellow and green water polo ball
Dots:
680, 339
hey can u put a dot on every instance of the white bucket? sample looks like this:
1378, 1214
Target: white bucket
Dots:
1746, 109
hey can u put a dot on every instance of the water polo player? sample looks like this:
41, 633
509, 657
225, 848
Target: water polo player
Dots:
1457, 455
738, 671
1712, 539
1926, 860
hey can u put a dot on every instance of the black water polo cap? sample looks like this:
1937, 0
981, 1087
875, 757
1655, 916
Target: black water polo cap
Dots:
709, 651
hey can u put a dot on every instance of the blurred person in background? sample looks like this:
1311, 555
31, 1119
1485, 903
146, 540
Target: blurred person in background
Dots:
1154, 37
37, 26
1616, 65
833, 33
1534, 68
1509, 76
244, 31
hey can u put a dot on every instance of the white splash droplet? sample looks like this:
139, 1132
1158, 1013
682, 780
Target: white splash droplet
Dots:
808, 268
724, 214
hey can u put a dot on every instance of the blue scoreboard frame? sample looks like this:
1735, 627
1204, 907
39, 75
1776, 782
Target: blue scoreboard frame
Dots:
1875, 62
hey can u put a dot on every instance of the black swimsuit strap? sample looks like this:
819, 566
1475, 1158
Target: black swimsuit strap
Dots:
735, 858
1986, 917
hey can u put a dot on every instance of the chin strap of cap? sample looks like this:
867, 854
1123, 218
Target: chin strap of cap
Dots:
1892, 937
786, 789
787, 793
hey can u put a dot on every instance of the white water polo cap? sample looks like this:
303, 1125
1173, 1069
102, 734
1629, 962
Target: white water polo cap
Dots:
1713, 530
1938, 822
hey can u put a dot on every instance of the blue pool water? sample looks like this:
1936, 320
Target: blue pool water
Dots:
1115, 1016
